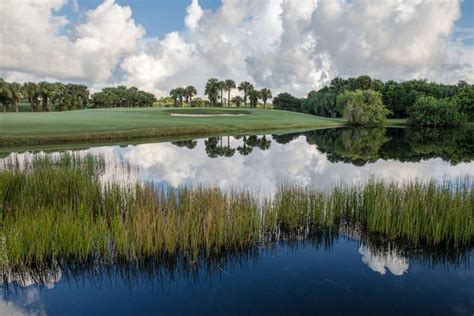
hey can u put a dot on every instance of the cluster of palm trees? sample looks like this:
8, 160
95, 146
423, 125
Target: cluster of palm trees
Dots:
215, 92
215, 146
43, 96
178, 94
122, 96
215, 89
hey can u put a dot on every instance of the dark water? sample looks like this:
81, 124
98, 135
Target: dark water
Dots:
336, 276
329, 275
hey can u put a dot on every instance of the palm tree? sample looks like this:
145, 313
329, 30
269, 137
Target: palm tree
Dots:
180, 92
229, 84
265, 94
245, 149
237, 100
212, 90
189, 92
221, 87
245, 87
46, 92
5, 94
254, 95
31, 92
15, 91
174, 93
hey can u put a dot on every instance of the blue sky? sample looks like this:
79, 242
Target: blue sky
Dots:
160, 17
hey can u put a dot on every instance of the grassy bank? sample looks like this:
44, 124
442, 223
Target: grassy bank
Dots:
18, 129
60, 211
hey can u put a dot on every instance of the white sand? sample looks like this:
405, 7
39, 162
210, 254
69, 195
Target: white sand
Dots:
204, 115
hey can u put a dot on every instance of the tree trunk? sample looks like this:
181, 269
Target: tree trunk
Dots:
45, 104
15, 104
228, 98
5, 107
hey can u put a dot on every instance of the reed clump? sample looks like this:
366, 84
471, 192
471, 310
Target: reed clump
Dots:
59, 210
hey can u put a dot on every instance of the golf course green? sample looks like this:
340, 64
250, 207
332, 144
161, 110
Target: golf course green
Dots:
29, 128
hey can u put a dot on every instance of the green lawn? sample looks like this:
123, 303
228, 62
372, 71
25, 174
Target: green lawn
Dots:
29, 128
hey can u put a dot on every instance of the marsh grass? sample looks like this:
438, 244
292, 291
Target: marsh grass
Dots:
57, 210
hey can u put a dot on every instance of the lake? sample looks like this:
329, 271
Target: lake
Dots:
328, 273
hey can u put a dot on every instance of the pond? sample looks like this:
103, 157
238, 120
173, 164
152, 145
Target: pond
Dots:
329, 272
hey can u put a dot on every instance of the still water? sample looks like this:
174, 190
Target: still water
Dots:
336, 273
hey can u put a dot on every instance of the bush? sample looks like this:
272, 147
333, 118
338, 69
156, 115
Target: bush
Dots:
364, 107
465, 101
429, 111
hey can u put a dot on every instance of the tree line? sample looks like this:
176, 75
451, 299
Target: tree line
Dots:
422, 102
215, 90
47, 96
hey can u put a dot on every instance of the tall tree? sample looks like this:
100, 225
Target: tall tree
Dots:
5, 94
221, 87
46, 91
15, 91
245, 86
265, 94
254, 96
229, 85
31, 93
174, 93
237, 100
212, 90
189, 93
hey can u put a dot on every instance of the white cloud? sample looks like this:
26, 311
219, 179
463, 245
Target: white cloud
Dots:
381, 262
34, 41
286, 45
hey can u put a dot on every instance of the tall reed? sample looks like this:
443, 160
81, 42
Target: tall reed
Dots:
58, 210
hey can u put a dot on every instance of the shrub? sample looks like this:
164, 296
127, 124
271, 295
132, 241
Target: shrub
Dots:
429, 111
364, 107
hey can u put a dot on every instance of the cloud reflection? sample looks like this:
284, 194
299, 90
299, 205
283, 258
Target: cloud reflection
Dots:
381, 262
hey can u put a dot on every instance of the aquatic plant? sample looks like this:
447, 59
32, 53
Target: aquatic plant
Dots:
58, 210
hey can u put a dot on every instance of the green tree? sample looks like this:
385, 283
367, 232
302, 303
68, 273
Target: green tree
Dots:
321, 103
254, 96
221, 88
237, 100
246, 87
429, 111
174, 93
465, 101
31, 93
189, 93
365, 107
5, 94
47, 91
265, 94
212, 90
15, 92
229, 84
285, 101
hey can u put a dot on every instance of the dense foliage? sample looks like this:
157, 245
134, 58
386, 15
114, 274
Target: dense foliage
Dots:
122, 97
285, 101
398, 97
365, 107
429, 111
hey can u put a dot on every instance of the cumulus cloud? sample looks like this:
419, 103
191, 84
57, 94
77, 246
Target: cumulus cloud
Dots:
381, 262
286, 45
35, 40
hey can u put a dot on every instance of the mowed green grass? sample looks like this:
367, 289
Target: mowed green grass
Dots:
126, 123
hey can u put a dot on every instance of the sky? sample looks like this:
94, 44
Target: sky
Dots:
285, 45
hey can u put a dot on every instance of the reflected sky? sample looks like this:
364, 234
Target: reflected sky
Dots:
262, 171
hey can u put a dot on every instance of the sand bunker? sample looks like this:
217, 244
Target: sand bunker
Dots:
205, 115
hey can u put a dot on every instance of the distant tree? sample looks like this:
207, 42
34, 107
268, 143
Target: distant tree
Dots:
31, 93
221, 88
265, 94
189, 93
229, 84
246, 87
237, 100
5, 94
465, 100
285, 101
175, 94
212, 90
15, 92
365, 107
429, 111
254, 96
47, 91
321, 103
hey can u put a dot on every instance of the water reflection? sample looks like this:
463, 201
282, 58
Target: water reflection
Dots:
321, 158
